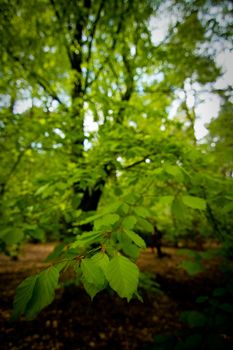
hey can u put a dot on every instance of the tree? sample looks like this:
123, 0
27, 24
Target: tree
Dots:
99, 61
220, 138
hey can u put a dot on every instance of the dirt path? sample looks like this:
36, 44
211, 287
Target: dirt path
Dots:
74, 322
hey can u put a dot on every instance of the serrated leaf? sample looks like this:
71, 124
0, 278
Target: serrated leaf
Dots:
129, 222
127, 246
93, 277
135, 238
106, 221
194, 202
101, 260
91, 288
44, 291
130, 249
35, 293
123, 276
92, 272
23, 294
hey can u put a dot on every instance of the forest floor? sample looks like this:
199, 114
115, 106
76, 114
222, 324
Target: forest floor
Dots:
75, 322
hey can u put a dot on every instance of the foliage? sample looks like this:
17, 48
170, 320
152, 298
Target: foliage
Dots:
92, 156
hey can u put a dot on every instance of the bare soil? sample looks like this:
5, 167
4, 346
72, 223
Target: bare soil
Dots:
75, 322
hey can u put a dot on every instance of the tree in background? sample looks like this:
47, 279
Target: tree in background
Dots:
220, 134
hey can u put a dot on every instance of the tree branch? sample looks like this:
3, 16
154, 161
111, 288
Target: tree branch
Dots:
136, 163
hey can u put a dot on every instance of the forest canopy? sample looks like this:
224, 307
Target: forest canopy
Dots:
91, 155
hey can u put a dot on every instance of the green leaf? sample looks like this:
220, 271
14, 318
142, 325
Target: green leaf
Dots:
23, 294
86, 239
42, 189
106, 221
93, 277
166, 199
89, 219
109, 210
44, 291
101, 260
92, 272
141, 211
194, 202
130, 249
129, 222
123, 276
135, 238
90, 288
35, 293
144, 225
